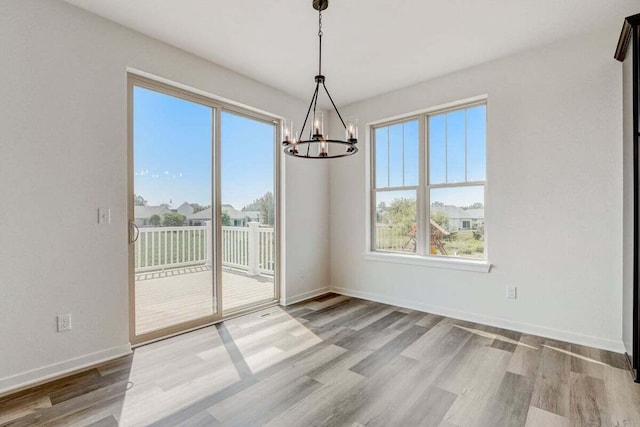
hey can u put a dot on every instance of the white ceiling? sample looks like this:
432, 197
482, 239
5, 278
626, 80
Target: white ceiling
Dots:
370, 46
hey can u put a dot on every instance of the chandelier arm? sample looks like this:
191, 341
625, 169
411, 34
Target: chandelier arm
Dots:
314, 97
334, 105
315, 104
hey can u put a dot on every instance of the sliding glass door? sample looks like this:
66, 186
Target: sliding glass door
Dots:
248, 238
202, 210
174, 286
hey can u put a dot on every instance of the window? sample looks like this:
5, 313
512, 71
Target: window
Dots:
428, 184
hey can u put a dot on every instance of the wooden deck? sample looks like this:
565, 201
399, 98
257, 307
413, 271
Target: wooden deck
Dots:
175, 296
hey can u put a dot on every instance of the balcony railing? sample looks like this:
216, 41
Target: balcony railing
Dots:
251, 249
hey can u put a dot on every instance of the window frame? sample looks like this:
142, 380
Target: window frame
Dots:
422, 255
416, 188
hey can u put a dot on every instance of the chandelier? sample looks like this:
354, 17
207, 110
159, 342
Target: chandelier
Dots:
319, 145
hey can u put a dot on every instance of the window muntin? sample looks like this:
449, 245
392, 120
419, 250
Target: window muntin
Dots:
450, 198
397, 155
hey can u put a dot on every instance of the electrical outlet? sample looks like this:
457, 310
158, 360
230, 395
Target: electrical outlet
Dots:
104, 216
511, 292
64, 322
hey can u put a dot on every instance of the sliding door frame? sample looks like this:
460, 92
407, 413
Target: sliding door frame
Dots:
226, 108
217, 106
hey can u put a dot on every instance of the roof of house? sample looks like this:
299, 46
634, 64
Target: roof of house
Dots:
185, 205
203, 214
455, 212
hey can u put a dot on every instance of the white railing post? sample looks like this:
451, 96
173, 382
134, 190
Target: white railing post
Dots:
208, 236
254, 249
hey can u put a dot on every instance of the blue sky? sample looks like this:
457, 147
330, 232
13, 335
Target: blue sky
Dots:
397, 156
172, 152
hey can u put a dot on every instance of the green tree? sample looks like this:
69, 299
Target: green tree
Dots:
173, 219
437, 204
401, 213
264, 205
139, 201
441, 218
226, 219
155, 220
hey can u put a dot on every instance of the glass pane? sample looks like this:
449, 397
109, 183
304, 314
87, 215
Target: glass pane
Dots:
172, 181
456, 146
396, 156
437, 149
382, 157
411, 153
457, 222
395, 221
248, 211
476, 143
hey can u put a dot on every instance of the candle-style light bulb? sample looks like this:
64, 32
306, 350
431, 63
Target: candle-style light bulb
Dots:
351, 130
318, 125
294, 143
286, 132
323, 147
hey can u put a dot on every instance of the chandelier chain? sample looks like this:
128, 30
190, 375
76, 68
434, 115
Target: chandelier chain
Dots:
320, 41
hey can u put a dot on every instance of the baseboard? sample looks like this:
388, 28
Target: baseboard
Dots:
40, 375
304, 296
557, 334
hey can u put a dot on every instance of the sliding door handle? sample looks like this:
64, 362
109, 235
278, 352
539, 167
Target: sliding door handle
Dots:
134, 232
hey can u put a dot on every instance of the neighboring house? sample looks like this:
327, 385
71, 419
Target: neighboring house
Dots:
185, 209
460, 218
142, 214
199, 218
238, 218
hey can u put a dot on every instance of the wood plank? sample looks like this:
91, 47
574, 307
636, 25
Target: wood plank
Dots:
379, 358
539, 418
475, 375
429, 409
510, 405
588, 402
526, 357
551, 390
20, 408
623, 397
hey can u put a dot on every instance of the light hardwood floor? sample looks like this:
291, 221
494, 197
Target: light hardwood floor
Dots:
342, 361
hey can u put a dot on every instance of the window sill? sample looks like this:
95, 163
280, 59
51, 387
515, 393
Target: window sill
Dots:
453, 264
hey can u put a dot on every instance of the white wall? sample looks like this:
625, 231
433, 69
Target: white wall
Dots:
554, 197
627, 294
63, 140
